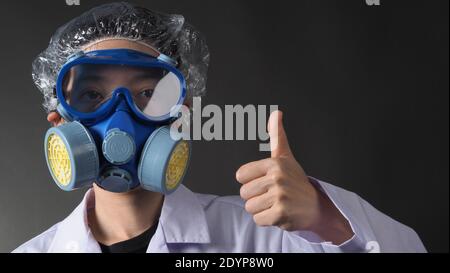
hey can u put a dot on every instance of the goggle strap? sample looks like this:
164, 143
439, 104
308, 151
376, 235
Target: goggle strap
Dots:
167, 59
63, 113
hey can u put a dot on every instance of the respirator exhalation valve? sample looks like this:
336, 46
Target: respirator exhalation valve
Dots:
115, 179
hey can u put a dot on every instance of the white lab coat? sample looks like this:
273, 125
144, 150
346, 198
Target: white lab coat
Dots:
192, 222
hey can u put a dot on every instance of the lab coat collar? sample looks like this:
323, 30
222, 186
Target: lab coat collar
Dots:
182, 220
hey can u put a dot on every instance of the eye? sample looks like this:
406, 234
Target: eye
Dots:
147, 93
92, 95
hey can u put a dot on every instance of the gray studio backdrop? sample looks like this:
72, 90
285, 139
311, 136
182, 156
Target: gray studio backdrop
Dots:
364, 90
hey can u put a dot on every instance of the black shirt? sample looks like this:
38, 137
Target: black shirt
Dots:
138, 244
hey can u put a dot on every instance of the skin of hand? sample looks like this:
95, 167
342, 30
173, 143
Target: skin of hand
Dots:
278, 192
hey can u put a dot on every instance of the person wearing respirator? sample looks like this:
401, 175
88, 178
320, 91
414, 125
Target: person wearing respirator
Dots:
112, 79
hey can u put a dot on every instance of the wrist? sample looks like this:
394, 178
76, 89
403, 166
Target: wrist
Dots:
331, 225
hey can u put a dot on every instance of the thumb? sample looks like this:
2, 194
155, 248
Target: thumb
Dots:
279, 145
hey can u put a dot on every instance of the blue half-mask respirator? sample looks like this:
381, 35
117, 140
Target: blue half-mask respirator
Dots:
118, 105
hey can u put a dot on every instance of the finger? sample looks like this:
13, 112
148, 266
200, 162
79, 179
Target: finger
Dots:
255, 187
252, 170
54, 118
279, 144
266, 217
259, 203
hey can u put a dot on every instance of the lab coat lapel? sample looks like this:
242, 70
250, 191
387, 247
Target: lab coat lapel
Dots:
73, 233
182, 220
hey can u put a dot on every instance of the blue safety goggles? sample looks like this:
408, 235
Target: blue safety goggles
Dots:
91, 85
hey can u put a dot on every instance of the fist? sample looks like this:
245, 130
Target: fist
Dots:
276, 190
278, 193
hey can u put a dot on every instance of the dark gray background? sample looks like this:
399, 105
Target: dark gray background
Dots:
364, 91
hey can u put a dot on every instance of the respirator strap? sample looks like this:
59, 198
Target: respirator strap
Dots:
64, 114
